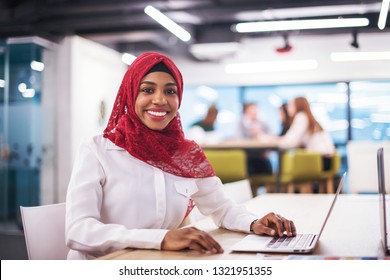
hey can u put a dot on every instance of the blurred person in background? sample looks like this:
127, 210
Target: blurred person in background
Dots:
305, 132
251, 127
203, 131
285, 119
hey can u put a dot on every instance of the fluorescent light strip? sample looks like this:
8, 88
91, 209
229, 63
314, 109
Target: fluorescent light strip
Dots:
169, 24
359, 56
383, 14
266, 26
306, 12
270, 66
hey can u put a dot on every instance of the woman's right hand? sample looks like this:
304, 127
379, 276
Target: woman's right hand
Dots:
190, 237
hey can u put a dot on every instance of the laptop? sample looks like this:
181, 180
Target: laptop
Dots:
382, 201
302, 243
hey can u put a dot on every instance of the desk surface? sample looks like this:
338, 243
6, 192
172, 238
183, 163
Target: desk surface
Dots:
352, 230
243, 144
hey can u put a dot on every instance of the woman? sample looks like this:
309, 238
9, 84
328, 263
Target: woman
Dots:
285, 119
305, 132
134, 185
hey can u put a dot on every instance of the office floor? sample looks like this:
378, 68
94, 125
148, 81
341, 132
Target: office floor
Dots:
12, 243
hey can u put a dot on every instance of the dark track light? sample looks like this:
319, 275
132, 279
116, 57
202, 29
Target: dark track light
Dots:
354, 42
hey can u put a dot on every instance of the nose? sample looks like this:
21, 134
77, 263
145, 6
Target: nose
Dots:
159, 98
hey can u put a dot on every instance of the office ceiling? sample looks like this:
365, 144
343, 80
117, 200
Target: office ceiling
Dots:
123, 25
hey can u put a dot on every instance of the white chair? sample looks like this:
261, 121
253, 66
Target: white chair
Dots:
362, 165
44, 231
239, 191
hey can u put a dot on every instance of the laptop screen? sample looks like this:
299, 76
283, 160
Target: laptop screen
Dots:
382, 197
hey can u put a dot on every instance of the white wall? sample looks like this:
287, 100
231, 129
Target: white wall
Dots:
304, 47
81, 75
96, 74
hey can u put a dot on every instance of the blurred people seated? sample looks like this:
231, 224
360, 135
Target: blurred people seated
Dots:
252, 127
305, 132
203, 131
285, 119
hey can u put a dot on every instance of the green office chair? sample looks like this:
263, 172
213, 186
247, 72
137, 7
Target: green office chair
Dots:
229, 165
299, 168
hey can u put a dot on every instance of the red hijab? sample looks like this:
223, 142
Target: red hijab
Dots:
167, 150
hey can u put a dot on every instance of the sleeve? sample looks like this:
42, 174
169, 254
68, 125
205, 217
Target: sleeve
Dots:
212, 200
84, 229
294, 136
240, 130
266, 128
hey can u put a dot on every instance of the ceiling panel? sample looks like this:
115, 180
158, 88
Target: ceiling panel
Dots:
124, 26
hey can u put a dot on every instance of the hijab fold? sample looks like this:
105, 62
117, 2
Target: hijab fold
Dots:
168, 149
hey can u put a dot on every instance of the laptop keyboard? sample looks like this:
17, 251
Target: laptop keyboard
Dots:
298, 241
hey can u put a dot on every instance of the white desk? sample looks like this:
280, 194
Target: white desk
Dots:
351, 231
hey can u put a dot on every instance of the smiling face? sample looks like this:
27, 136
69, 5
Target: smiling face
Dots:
157, 101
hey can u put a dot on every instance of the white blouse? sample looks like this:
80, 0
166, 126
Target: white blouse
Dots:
298, 135
115, 201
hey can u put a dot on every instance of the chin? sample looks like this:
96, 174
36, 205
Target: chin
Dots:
156, 128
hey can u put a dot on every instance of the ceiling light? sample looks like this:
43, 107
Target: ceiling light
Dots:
383, 14
22, 87
2, 83
37, 66
282, 25
306, 12
271, 66
359, 56
169, 24
29, 93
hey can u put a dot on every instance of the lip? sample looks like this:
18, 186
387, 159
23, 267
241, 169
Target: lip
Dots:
157, 114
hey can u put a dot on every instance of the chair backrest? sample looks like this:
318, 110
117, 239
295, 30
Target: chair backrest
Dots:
229, 165
362, 165
239, 191
302, 165
44, 231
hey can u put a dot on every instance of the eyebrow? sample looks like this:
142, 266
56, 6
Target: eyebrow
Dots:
153, 83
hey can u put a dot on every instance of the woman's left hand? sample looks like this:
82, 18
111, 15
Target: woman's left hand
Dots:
273, 224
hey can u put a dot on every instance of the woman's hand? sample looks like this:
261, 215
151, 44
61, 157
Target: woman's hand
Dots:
274, 224
190, 237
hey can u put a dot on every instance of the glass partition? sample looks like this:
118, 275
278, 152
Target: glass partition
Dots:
370, 110
21, 129
328, 103
357, 110
197, 100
